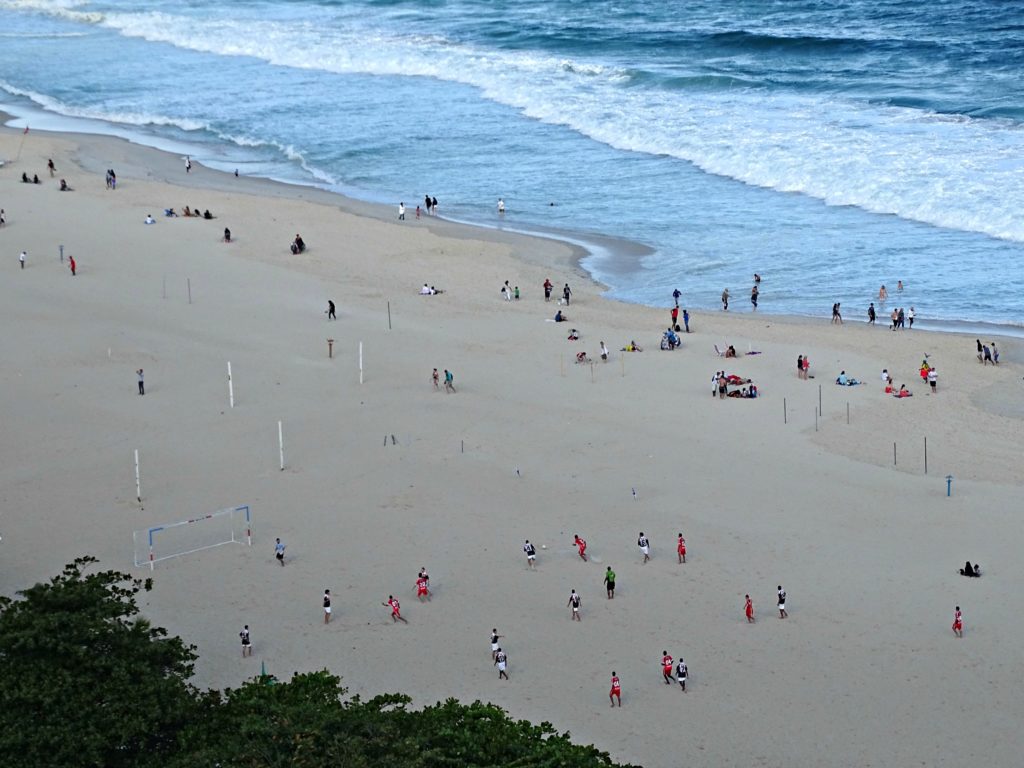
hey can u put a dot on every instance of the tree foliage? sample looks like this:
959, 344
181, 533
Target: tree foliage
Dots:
87, 682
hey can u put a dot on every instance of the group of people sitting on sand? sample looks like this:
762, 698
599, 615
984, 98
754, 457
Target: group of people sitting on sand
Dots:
26, 180
721, 382
190, 213
969, 570
429, 290
298, 245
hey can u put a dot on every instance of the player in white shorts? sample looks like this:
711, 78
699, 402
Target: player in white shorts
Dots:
494, 642
645, 546
501, 662
531, 553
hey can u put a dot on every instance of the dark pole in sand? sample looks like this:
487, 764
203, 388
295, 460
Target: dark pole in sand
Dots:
949, 485
926, 455
847, 411
188, 281
785, 419
894, 454
819, 401
389, 315
815, 419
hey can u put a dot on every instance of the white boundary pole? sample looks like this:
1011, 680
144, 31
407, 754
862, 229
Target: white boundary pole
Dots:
360, 362
138, 481
280, 443
231, 388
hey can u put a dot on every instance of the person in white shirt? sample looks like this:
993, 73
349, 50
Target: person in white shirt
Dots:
401, 211
933, 379
645, 546
425, 290
501, 206
604, 352
150, 219
22, 257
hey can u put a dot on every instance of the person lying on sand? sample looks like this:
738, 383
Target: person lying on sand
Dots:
632, 347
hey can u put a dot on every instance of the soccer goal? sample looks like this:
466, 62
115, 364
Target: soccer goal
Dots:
162, 542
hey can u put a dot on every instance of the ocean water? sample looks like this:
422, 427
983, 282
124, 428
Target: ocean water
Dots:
830, 147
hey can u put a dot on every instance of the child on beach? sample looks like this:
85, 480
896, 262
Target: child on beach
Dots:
748, 609
681, 548
435, 378
958, 623
782, 603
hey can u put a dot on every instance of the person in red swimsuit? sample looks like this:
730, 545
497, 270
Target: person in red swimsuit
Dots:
748, 609
681, 548
396, 609
666, 667
616, 691
958, 623
581, 545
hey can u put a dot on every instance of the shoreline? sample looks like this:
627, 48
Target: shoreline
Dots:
798, 486
584, 245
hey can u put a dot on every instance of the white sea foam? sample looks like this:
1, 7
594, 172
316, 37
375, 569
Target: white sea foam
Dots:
63, 9
958, 173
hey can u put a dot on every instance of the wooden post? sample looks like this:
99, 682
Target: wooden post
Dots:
926, 455
280, 443
785, 413
330, 348
389, 315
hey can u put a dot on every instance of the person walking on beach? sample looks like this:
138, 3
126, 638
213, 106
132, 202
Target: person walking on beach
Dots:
436, 379
987, 353
3, 218
616, 692
327, 606
22, 257
901, 319
645, 546
501, 662
748, 609
666, 667
566, 293
574, 603
449, 381
246, 641
188, 164
330, 310
871, 313
604, 352
807, 367
682, 672
686, 320
427, 204
72, 266
547, 289
958, 623
433, 203
396, 610
142, 381
674, 314
401, 211
675, 295
725, 300
933, 379
494, 643
894, 317
51, 166
531, 554
782, 603
609, 582
506, 291
995, 354
279, 551
581, 545
910, 319
836, 316
681, 548
753, 296
979, 349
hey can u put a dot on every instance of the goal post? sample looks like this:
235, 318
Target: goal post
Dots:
162, 542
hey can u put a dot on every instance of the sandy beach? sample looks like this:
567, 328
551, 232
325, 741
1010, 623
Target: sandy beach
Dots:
388, 475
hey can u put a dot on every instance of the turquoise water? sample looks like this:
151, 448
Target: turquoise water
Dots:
830, 147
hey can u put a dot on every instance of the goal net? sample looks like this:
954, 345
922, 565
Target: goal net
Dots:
162, 542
